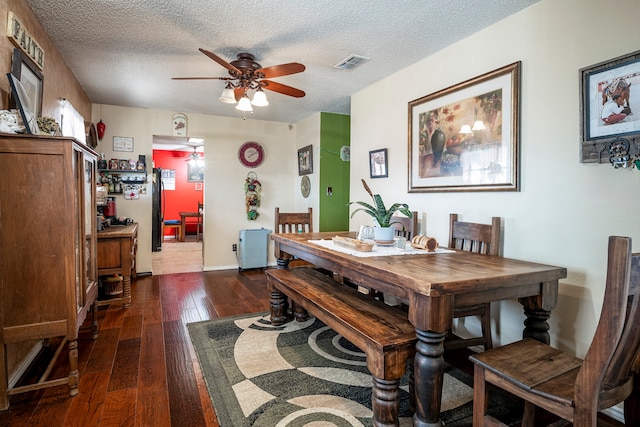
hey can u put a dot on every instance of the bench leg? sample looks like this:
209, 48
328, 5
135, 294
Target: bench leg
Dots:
299, 313
385, 400
278, 303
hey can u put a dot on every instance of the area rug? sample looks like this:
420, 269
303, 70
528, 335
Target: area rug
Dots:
303, 374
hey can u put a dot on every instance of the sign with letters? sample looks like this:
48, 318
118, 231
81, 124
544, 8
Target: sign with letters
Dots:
19, 35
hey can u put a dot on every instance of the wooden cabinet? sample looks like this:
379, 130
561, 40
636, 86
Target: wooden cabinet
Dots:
117, 247
48, 271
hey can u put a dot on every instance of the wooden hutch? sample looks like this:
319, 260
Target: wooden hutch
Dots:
48, 271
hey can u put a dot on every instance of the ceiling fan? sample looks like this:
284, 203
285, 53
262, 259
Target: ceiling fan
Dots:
246, 74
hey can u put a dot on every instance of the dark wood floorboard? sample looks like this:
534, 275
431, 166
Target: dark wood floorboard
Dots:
142, 370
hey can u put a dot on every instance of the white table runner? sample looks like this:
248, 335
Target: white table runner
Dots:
378, 250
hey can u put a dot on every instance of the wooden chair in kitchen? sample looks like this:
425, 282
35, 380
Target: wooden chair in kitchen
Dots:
405, 226
573, 389
293, 222
483, 239
172, 224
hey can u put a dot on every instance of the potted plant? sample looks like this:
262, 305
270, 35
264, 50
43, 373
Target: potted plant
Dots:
381, 215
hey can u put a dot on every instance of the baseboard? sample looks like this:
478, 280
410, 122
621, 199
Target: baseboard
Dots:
24, 365
615, 412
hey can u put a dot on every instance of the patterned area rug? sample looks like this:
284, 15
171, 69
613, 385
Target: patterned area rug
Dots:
304, 374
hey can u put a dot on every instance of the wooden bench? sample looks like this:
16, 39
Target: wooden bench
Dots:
382, 332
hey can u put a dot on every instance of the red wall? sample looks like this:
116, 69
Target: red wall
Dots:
185, 197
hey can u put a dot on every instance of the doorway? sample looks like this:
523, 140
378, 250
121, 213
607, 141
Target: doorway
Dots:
179, 175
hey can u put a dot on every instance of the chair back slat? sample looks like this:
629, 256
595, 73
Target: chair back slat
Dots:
292, 222
627, 350
472, 237
616, 342
405, 226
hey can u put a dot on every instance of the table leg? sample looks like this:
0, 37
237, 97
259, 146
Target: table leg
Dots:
182, 229
536, 325
428, 377
432, 317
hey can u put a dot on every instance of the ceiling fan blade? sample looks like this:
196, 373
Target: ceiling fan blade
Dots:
281, 70
280, 88
201, 78
220, 61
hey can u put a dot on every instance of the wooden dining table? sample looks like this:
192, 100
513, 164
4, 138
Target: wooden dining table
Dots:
433, 284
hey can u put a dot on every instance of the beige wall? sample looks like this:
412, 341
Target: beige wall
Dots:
308, 133
224, 175
59, 82
565, 210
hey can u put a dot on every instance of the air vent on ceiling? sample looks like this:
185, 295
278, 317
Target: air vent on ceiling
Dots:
351, 62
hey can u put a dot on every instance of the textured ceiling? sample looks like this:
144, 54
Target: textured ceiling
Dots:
124, 52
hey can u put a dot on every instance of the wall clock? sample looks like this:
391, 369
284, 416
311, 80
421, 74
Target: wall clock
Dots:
251, 154
305, 186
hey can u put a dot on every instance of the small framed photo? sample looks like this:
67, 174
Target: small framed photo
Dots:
607, 109
305, 160
122, 143
378, 163
123, 164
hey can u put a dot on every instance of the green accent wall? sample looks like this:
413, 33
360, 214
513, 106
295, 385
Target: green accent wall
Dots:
334, 210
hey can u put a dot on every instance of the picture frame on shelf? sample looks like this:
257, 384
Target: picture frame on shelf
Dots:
29, 119
599, 85
378, 165
25, 70
305, 160
466, 137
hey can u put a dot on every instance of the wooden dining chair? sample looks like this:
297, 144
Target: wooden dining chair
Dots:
573, 389
404, 226
483, 239
293, 222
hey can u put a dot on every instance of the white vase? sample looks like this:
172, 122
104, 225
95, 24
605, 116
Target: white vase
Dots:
384, 234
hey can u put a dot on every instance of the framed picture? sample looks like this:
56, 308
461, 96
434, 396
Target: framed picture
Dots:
607, 109
378, 163
122, 143
466, 137
195, 173
24, 105
179, 124
25, 70
305, 160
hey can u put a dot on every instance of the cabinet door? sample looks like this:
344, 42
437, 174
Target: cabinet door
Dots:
87, 283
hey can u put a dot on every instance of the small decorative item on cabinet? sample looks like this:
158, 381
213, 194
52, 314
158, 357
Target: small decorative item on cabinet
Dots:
252, 189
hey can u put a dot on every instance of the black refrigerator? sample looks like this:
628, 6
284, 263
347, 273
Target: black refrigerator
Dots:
157, 210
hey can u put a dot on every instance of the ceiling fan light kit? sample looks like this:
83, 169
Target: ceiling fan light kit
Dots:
260, 98
246, 74
244, 104
228, 96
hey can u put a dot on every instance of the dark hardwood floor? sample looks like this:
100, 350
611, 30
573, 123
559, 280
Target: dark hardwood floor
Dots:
142, 370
